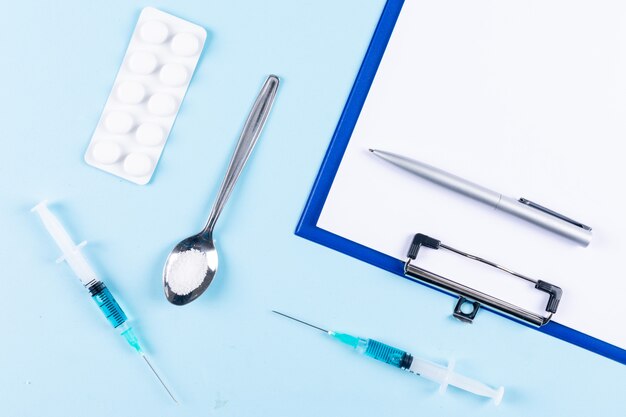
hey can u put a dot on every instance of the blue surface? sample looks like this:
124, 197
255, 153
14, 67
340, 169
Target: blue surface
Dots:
307, 227
224, 354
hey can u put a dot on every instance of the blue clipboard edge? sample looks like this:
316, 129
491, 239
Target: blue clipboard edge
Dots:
307, 226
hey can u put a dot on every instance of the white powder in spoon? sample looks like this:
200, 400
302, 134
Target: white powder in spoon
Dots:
187, 272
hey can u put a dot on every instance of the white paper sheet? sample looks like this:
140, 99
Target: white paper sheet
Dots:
525, 98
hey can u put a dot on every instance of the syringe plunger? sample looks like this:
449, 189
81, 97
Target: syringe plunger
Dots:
446, 376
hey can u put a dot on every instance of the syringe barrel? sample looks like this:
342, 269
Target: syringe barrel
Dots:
375, 349
385, 353
429, 370
113, 313
107, 304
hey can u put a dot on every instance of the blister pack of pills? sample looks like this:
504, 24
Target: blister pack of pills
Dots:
146, 95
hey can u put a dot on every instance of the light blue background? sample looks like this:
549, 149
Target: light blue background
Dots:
224, 354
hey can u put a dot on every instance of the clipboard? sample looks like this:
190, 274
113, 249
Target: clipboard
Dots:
308, 225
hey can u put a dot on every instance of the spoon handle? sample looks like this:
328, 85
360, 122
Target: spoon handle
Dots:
249, 135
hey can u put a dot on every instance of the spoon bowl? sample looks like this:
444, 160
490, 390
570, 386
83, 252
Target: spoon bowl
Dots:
181, 292
192, 264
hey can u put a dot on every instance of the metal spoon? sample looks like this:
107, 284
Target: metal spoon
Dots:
198, 249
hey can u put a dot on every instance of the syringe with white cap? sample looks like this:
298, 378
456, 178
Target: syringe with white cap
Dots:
398, 358
99, 292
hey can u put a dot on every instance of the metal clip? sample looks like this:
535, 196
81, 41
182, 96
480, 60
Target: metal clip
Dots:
467, 293
459, 314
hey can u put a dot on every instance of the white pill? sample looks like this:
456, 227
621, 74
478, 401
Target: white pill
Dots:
162, 104
173, 74
142, 62
118, 122
106, 151
131, 92
185, 44
149, 134
154, 31
137, 164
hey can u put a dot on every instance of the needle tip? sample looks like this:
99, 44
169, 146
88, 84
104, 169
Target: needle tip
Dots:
159, 378
299, 321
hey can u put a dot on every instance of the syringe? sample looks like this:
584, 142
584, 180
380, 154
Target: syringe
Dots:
98, 291
400, 359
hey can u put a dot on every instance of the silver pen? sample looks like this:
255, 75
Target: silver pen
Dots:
522, 208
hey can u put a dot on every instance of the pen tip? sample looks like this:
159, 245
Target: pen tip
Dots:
371, 150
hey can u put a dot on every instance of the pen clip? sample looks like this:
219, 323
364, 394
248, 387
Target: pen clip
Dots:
554, 213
